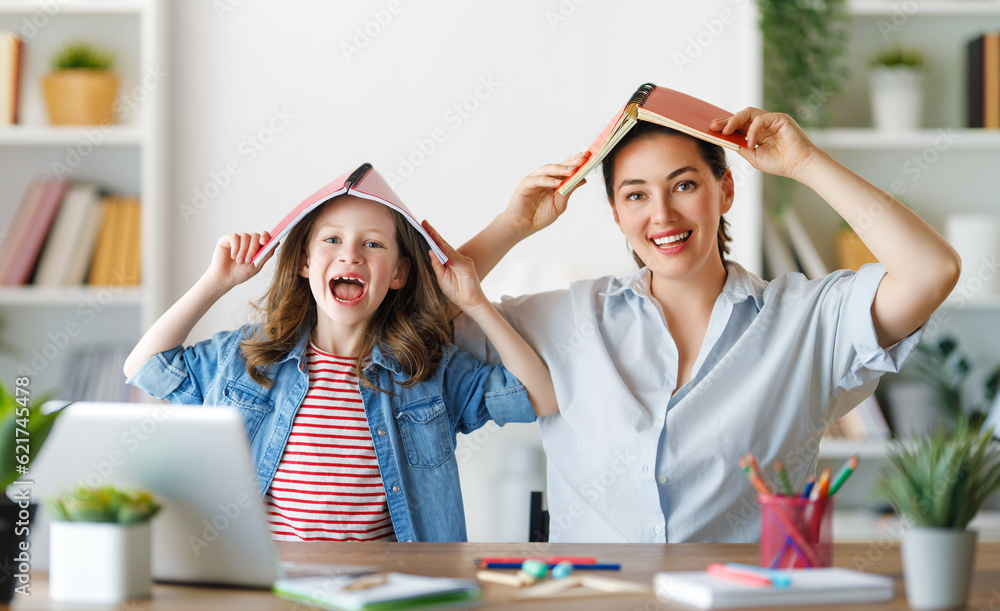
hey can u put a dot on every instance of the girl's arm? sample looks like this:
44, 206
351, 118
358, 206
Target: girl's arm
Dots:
460, 284
534, 205
232, 264
921, 267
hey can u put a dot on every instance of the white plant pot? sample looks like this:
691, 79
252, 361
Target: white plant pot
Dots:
95, 562
937, 566
897, 98
976, 237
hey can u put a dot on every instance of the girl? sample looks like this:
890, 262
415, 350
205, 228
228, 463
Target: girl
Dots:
350, 388
679, 369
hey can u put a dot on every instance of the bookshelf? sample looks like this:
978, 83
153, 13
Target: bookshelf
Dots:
960, 175
47, 326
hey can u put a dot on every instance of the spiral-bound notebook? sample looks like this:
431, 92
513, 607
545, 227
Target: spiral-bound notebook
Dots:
665, 107
828, 586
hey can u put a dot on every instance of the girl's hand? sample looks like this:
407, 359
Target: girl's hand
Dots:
458, 279
775, 142
232, 261
536, 204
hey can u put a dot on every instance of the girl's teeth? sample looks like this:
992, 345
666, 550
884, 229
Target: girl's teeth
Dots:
672, 239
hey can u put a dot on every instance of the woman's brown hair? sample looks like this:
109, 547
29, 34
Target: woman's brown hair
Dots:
712, 154
411, 323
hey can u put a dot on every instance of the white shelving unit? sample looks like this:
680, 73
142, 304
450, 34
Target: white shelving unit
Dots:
45, 326
958, 176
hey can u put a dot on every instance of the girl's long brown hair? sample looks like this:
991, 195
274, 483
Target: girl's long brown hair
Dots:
411, 324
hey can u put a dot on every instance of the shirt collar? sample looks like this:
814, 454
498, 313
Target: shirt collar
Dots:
385, 360
740, 285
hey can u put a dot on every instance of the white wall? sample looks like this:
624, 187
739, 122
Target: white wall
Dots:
537, 80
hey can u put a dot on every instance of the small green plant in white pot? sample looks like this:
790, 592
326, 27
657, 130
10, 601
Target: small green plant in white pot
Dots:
938, 482
897, 89
100, 545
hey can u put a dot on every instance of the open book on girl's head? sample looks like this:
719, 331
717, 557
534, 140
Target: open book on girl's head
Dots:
662, 106
363, 182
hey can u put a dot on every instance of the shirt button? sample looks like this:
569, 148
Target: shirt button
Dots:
658, 423
381, 432
395, 488
663, 479
645, 468
658, 529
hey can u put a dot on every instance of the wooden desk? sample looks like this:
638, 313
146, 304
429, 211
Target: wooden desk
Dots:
639, 563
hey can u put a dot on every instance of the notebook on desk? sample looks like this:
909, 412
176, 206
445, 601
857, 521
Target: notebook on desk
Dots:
213, 527
827, 586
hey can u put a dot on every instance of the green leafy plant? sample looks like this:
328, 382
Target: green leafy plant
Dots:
82, 56
942, 479
945, 369
804, 48
104, 504
898, 57
23, 430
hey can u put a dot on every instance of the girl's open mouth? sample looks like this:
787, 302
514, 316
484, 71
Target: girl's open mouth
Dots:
348, 290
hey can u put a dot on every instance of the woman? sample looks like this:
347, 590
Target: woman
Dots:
664, 378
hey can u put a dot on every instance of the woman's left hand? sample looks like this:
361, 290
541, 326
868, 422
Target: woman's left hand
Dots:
775, 142
458, 279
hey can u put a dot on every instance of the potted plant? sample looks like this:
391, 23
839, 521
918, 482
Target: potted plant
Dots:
99, 545
81, 88
938, 483
23, 429
897, 76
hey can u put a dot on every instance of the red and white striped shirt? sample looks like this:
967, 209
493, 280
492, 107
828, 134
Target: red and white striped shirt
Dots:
328, 485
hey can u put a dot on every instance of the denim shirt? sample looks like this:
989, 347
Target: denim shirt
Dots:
413, 429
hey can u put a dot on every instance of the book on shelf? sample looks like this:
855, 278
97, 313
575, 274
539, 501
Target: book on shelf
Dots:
866, 422
810, 262
28, 232
11, 60
83, 252
662, 106
983, 81
116, 258
13, 237
66, 240
364, 182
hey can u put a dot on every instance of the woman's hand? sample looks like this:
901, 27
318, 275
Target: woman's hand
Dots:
457, 279
775, 142
232, 261
536, 204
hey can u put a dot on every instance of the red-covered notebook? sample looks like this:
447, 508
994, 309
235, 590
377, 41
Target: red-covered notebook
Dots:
363, 182
662, 106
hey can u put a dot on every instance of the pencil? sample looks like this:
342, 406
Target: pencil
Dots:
809, 486
844, 473
755, 473
786, 485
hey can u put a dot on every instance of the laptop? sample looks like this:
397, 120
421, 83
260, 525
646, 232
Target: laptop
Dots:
213, 527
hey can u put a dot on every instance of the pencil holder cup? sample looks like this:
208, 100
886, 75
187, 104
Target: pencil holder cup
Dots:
795, 532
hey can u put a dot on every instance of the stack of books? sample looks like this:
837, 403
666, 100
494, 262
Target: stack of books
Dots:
66, 234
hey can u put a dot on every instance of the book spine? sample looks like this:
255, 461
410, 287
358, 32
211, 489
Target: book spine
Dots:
976, 96
358, 174
641, 94
991, 80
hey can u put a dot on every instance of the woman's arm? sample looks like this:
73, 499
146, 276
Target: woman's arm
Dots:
535, 205
921, 267
232, 263
460, 284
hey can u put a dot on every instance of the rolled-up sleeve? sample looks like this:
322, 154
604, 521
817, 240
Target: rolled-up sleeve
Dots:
186, 374
857, 348
481, 392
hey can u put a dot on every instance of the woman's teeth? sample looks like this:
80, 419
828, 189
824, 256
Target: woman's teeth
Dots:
671, 239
